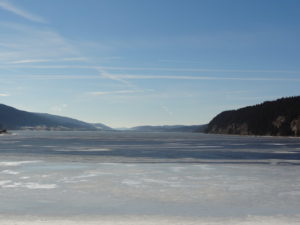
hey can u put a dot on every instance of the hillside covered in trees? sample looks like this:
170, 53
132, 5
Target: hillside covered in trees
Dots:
14, 119
279, 118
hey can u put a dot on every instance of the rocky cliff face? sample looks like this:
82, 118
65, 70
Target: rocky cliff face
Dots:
232, 128
278, 118
295, 126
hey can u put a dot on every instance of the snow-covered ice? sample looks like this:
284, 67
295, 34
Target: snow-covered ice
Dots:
148, 179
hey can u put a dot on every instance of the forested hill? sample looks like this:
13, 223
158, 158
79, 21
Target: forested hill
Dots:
280, 117
12, 118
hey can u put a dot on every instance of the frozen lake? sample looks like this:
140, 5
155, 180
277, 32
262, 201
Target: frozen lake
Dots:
148, 178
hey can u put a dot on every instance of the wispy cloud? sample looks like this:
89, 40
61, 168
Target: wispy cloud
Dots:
60, 77
120, 92
4, 95
180, 61
166, 109
8, 6
196, 70
30, 61
74, 59
36, 48
173, 77
255, 98
163, 69
59, 108
24, 61
105, 74
122, 78
26, 46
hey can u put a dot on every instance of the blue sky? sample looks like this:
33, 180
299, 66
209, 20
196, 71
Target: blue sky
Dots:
137, 62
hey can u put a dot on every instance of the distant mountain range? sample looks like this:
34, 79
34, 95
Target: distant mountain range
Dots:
279, 118
14, 119
101, 126
174, 128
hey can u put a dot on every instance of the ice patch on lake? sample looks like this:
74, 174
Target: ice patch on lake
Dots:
210, 146
204, 167
18, 163
284, 152
98, 149
9, 142
132, 183
10, 172
276, 144
4, 182
150, 220
29, 185
85, 150
177, 169
290, 193
39, 186
87, 175
83, 177
165, 183
109, 164
149, 180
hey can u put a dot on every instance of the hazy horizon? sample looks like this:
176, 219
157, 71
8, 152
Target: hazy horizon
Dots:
138, 62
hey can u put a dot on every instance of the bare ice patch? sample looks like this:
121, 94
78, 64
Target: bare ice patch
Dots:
132, 183
85, 150
237, 144
204, 167
17, 163
4, 182
276, 144
84, 176
290, 193
28, 185
177, 169
98, 150
10, 172
210, 146
284, 152
163, 182
150, 220
9, 142
39, 186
